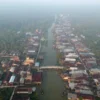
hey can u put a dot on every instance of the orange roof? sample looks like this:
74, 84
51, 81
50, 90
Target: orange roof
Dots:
28, 61
15, 58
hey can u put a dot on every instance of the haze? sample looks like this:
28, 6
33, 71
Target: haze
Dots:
49, 2
25, 6
49, 49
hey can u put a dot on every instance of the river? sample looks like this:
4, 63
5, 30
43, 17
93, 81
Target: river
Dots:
52, 84
50, 58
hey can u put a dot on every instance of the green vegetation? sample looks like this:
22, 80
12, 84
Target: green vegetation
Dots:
88, 25
12, 34
80, 98
5, 93
97, 98
34, 96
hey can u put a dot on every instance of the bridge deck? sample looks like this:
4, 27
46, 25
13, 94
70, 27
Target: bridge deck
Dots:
51, 67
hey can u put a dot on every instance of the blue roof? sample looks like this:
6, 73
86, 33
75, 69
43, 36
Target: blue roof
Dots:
12, 79
37, 64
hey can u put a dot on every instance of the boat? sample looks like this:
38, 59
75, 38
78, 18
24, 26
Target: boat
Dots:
62, 94
42, 92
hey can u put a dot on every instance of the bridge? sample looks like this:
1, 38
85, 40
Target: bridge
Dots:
51, 67
7, 56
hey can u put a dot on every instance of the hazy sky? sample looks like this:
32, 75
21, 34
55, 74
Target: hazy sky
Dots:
18, 8
49, 2
8, 7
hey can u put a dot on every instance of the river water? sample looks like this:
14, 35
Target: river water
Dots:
52, 84
50, 58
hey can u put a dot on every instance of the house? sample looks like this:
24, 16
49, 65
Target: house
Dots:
17, 79
23, 90
15, 58
34, 89
37, 78
70, 60
28, 33
85, 97
22, 80
7, 78
71, 55
78, 72
12, 78
37, 64
84, 91
12, 69
98, 93
72, 96
95, 71
28, 78
68, 50
72, 85
28, 61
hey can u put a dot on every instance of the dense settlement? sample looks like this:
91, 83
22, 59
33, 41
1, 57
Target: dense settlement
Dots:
80, 69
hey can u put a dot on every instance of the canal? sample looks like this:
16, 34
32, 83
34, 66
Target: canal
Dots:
52, 84
50, 57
